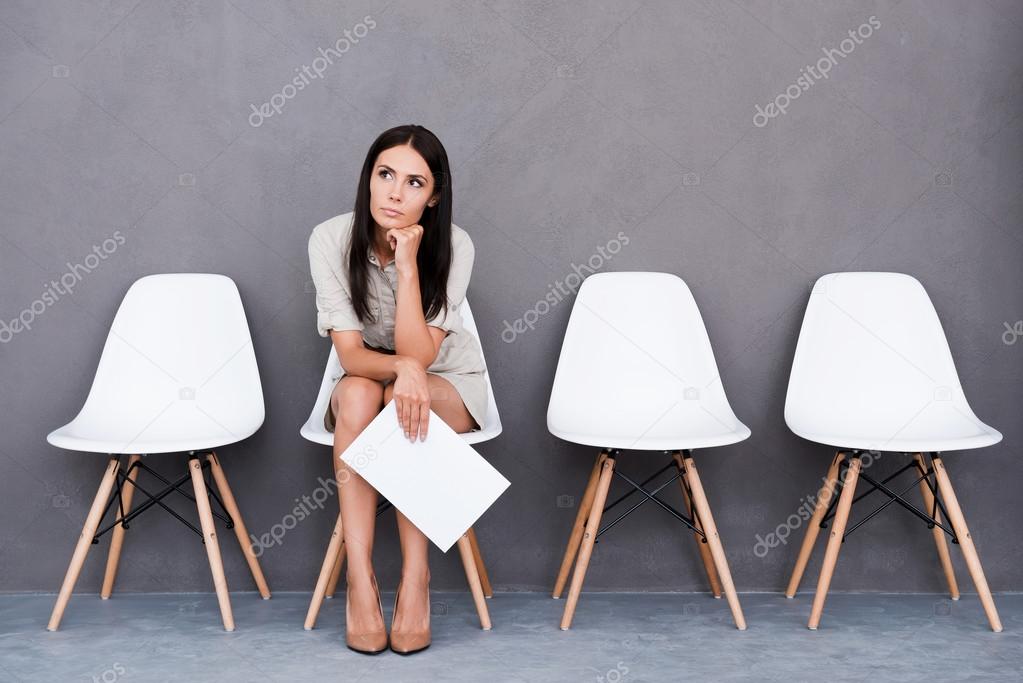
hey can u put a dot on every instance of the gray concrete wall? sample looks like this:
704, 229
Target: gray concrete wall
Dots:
565, 123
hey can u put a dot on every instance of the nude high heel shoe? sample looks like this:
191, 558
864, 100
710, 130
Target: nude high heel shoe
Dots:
371, 642
407, 642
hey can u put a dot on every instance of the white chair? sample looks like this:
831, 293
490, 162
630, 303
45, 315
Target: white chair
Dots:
637, 372
872, 372
468, 547
177, 375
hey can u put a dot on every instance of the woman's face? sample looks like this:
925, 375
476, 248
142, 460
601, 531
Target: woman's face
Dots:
400, 188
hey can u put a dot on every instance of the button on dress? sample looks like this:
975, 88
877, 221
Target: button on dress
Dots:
460, 358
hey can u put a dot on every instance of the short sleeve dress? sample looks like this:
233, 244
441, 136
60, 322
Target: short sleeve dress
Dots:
460, 358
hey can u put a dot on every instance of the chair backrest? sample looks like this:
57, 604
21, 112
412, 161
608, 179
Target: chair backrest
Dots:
178, 362
314, 430
635, 350
872, 368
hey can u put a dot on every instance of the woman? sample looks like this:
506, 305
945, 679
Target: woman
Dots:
389, 278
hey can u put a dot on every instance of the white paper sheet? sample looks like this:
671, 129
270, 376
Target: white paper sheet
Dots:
441, 484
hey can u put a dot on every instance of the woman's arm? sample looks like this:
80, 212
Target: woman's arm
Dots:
356, 359
416, 338
438, 327
412, 336
418, 345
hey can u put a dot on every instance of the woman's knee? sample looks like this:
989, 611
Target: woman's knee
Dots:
356, 401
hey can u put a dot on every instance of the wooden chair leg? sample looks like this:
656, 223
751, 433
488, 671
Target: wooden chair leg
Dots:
813, 527
939, 533
704, 548
589, 536
239, 525
481, 569
714, 541
966, 542
209, 533
335, 574
92, 521
331, 560
117, 533
838, 525
577, 527
471, 573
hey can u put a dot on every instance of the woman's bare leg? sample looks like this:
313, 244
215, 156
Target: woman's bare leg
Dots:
356, 401
415, 570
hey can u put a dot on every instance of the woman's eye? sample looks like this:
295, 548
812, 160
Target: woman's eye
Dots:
386, 174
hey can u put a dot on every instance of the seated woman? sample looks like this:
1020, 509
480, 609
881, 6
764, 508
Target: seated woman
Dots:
389, 278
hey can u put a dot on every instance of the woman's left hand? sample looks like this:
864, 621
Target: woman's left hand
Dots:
405, 242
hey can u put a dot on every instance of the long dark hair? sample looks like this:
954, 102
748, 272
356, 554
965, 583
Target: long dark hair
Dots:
434, 256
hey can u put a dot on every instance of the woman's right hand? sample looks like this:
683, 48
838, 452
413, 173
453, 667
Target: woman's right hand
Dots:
412, 398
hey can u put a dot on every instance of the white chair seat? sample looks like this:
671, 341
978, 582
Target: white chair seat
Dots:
683, 427
179, 429
314, 431
872, 370
942, 429
177, 372
637, 370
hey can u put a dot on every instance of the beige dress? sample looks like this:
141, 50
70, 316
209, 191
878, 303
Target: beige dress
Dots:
460, 359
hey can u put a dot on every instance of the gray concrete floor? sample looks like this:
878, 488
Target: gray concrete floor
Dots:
616, 637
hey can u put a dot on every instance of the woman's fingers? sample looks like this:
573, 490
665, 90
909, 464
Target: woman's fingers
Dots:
424, 420
419, 419
414, 423
406, 416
